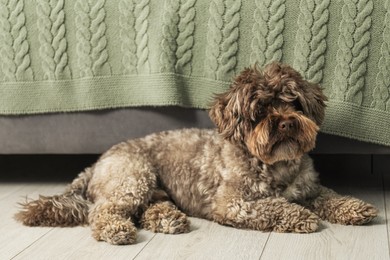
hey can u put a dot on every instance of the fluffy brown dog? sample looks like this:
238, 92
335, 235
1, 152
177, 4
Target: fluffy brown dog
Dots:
252, 172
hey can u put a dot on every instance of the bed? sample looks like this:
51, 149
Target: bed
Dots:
78, 76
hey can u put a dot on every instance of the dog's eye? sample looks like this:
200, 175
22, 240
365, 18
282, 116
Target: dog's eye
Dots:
258, 117
297, 105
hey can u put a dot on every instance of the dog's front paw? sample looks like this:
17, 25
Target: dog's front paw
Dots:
165, 218
308, 225
298, 220
350, 211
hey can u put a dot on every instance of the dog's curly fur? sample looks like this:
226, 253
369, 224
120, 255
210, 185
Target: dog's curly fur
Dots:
251, 172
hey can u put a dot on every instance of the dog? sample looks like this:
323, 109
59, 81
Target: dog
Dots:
251, 172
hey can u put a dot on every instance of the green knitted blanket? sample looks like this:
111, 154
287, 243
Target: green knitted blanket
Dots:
59, 56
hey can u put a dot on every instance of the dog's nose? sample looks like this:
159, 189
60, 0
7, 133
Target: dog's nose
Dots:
286, 125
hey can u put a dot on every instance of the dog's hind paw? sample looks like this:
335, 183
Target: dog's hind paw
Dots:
120, 233
163, 217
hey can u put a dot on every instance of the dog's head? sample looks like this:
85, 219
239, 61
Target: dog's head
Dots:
274, 112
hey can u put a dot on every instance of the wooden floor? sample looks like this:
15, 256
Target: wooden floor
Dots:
206, 240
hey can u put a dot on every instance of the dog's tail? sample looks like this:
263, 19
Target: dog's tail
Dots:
67, 209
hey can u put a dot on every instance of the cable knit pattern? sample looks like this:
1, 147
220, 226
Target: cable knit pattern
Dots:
230, 34
53, 45
310, 41
91, 48
83, 39
222, 37
214, 38
177, 41
14, 48
381, 93
170, 32
267, 31
141, 13
98, 38
353, 51
127, 34
133, 25
185, 39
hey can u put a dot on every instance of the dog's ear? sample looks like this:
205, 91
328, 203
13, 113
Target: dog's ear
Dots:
313, 101
232, 111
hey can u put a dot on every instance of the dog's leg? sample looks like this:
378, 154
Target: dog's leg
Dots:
164, 217
111, 219
111, 222
122, 186
270, 214
336, 208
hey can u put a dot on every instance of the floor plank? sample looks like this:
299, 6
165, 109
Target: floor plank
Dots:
207, 240
77, 243
337, 241
16, 237
6, 189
